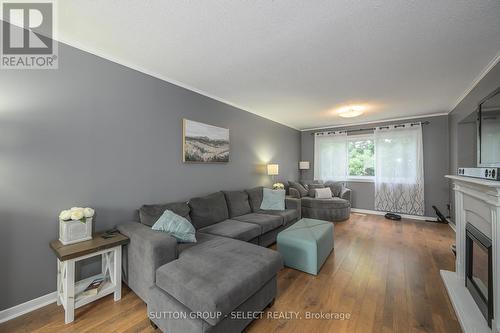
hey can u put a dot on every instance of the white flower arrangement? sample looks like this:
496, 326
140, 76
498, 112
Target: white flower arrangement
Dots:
76, 214
278, 186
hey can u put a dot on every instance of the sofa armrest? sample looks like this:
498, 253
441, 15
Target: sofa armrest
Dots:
346, 194
148, 249
294, 203
294, 193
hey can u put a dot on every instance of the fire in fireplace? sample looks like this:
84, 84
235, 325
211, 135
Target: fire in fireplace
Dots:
478, 272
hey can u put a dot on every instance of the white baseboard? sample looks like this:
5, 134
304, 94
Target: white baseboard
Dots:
376, 212
20, 309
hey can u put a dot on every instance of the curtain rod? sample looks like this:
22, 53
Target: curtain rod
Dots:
373, 128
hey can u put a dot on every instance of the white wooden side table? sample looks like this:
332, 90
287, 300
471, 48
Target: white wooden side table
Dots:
69, 291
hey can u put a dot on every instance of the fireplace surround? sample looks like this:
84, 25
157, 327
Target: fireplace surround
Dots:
474, 286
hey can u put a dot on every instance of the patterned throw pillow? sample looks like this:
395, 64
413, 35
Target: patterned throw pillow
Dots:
176, 226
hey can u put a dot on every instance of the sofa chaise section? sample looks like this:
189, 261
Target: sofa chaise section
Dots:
162, 300
203, 281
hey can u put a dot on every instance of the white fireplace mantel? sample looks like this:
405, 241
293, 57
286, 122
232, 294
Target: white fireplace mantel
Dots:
477, 201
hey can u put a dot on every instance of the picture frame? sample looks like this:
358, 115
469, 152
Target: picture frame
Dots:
204, 143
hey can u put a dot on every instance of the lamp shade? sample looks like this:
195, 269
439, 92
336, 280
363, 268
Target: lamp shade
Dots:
304, 165
272, 169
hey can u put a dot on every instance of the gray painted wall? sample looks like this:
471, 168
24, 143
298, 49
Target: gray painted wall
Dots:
436, 164
94, 133
463, 136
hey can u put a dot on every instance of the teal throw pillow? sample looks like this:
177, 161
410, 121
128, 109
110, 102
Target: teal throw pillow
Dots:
176, 226
273, 199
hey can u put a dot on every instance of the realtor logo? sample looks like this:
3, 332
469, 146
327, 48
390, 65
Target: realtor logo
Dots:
27, 35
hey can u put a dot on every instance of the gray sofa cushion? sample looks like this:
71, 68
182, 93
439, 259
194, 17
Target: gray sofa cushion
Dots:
299, 187
267, 222
149, 214
208, 210
312, 188
325, 203
336, 187
237, 203
255, 197
288, 215
233, 229
218, 275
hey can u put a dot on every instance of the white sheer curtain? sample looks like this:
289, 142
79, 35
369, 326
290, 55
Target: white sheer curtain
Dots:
399, 169
330, 156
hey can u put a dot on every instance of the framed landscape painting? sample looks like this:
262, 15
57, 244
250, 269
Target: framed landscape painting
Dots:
203, 143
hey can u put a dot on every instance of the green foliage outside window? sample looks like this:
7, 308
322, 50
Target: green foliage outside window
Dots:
361, 158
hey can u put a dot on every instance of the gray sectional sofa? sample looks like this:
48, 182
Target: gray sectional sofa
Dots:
197, 287
334, 209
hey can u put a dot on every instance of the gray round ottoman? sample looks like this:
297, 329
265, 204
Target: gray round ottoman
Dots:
332, 209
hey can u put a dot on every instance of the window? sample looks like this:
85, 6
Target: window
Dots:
391, 157
361, 157
340, 157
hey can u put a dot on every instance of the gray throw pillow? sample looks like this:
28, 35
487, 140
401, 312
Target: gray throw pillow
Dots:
336, 187
312, 189
299, 187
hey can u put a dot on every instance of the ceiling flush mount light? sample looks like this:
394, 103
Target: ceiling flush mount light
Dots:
350, 111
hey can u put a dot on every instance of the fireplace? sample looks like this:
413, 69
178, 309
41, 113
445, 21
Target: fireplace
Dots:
479, 270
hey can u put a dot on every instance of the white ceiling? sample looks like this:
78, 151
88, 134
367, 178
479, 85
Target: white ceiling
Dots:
295, 61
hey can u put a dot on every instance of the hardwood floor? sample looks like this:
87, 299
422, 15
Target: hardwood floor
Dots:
383, 275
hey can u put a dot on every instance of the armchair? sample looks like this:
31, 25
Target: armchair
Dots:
337, 208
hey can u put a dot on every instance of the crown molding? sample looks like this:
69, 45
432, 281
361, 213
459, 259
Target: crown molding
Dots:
484, 72
103, 55
376, 121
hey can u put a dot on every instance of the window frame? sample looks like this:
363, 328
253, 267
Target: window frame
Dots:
361, 179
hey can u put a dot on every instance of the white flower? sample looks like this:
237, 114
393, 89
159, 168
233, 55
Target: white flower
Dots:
88, 212
75, 208
65, 215
77, 214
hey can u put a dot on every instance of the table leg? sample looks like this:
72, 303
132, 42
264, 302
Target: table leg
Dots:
69, 288
58, 295
117, 272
